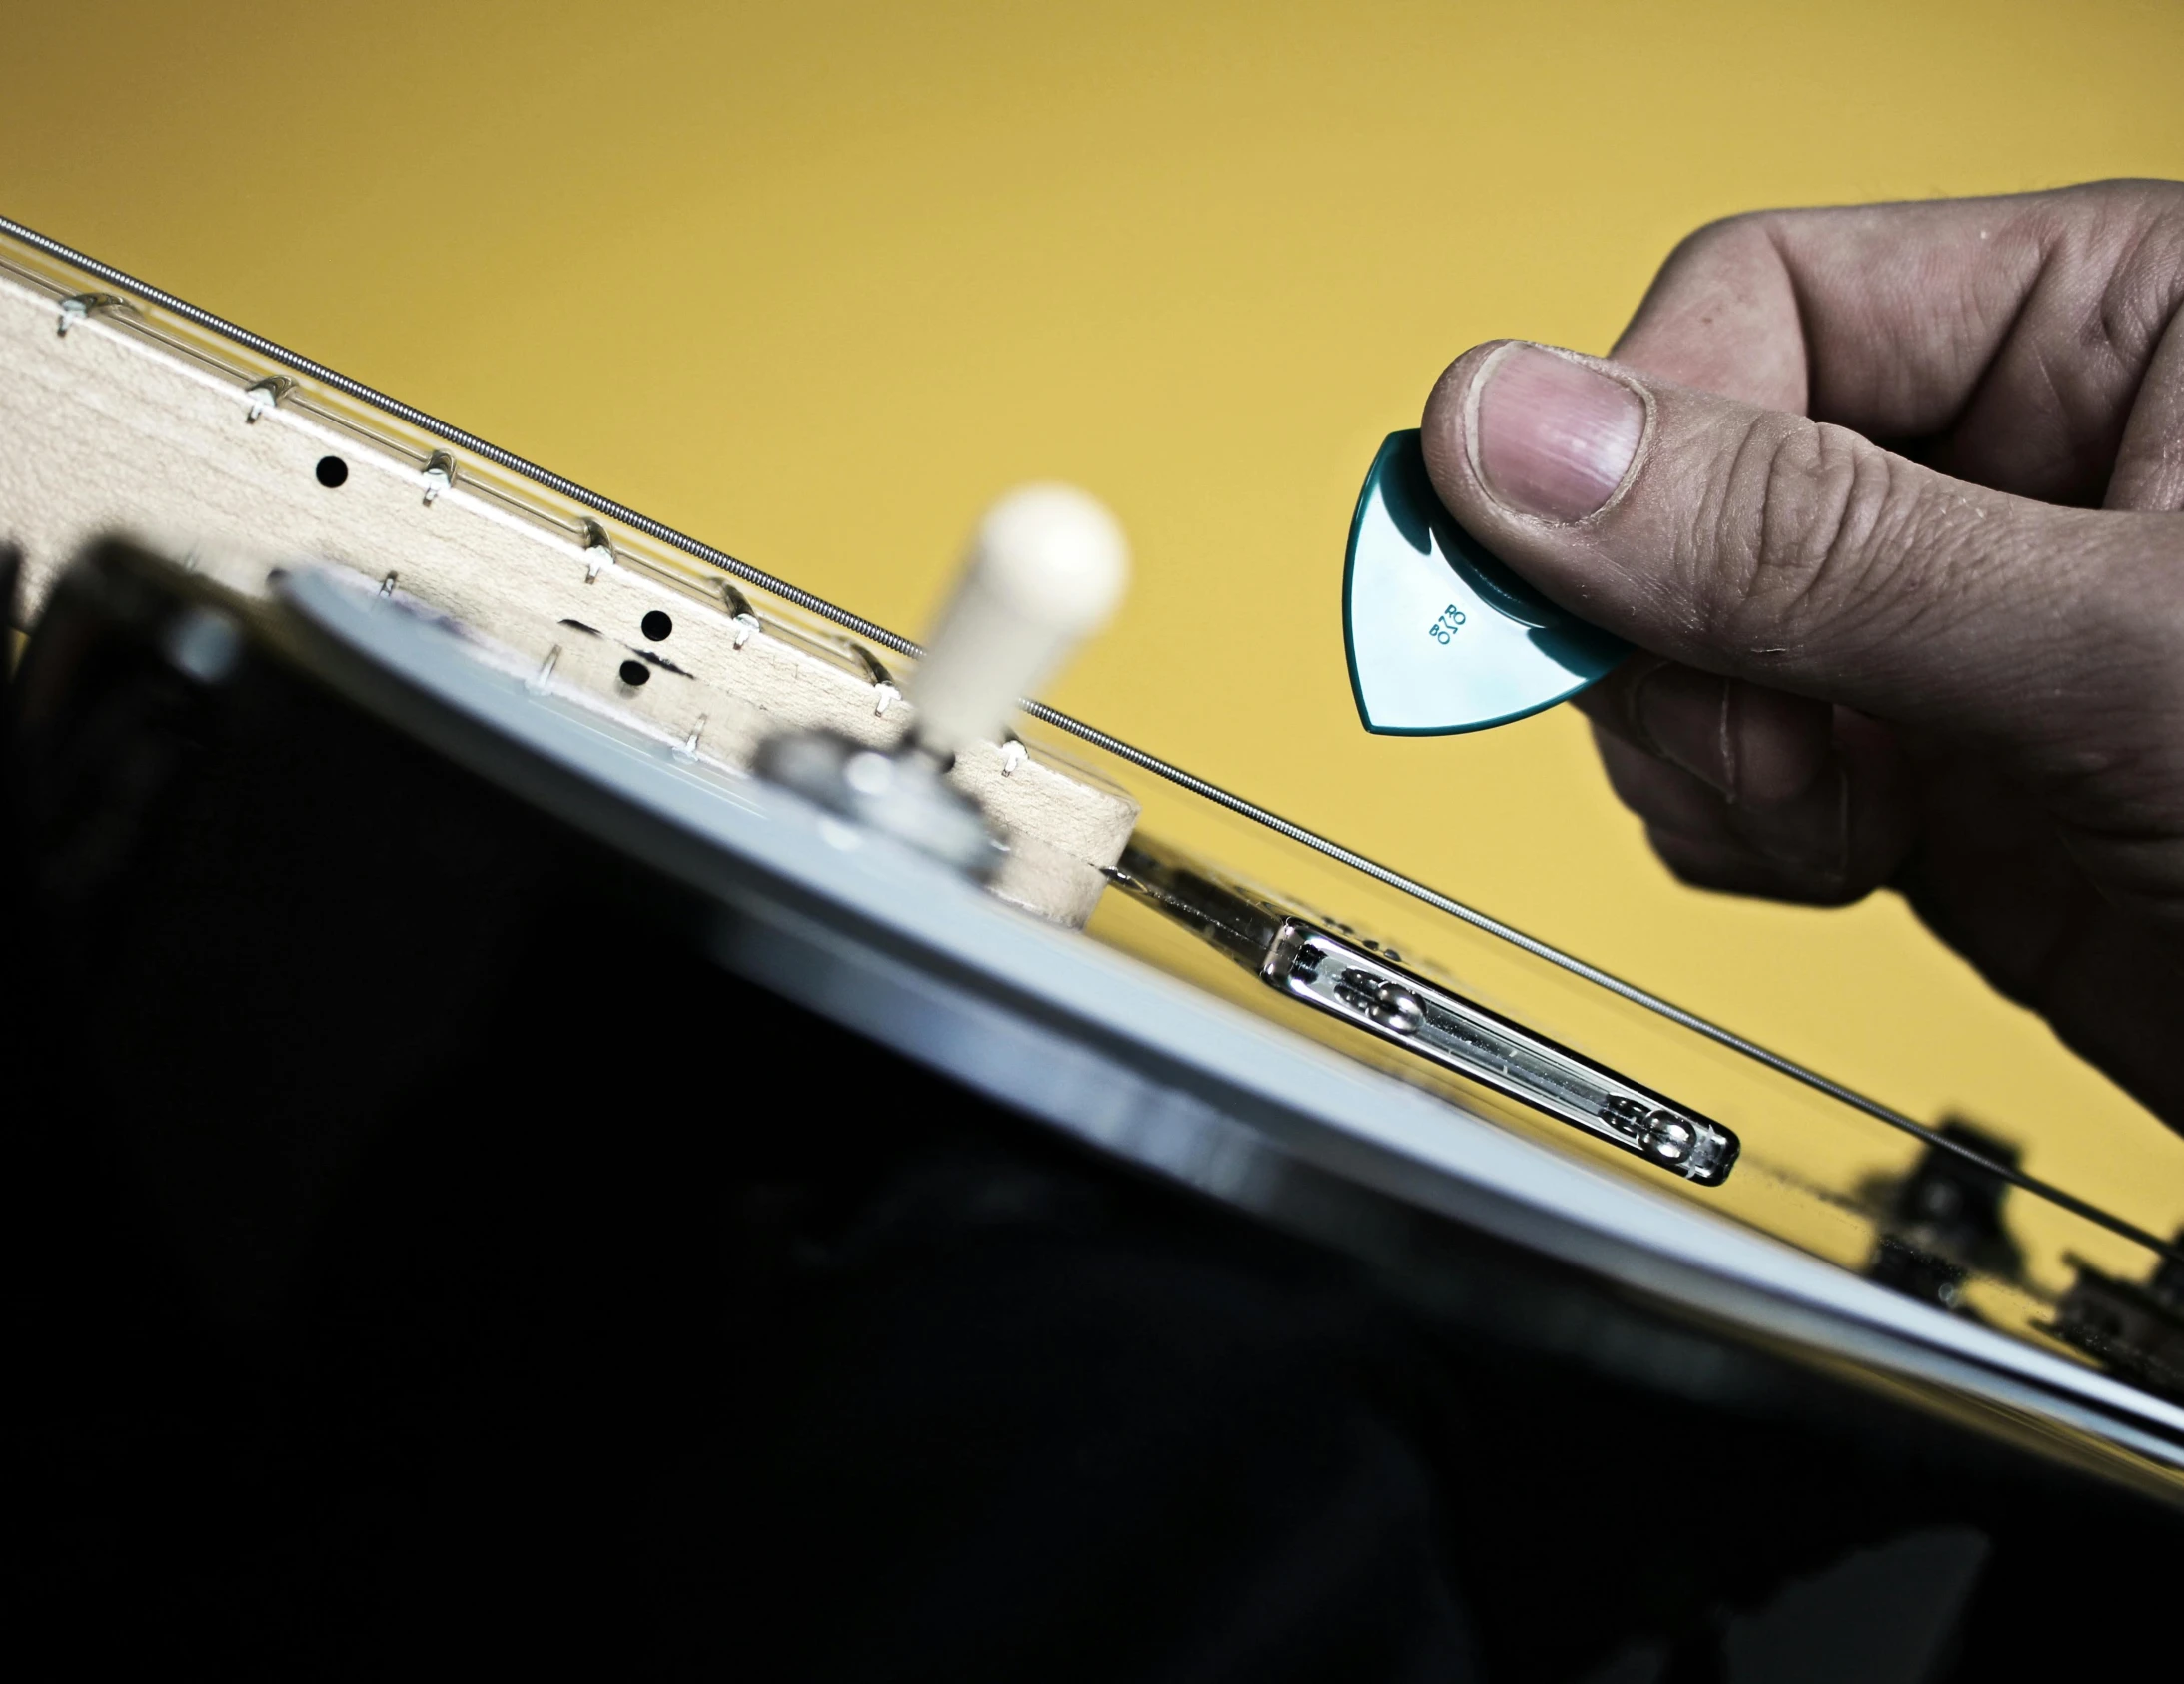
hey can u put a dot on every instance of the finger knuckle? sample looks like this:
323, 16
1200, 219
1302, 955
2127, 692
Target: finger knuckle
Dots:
2132, 308
1725, 242
1811, 528
2120, 759
2128, 196
2110, 255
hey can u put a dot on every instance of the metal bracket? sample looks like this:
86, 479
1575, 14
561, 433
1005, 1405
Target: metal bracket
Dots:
885, 692
438, 477
599, 551
265, 394
746, 617
78, 306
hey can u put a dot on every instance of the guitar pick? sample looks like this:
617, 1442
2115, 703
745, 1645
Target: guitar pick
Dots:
1441, 636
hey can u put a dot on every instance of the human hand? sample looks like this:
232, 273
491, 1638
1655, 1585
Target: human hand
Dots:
1953, 665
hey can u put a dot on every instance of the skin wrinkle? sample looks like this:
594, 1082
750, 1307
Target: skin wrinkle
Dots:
2140, 296
1755, 453
1909, 332
1902, 350
1953, 543
2162, 322
2153, 481
1800, 306
2058, 400
2068, 302
2109, 749
1901, 329
2126, 334
1681, 576
1876, 547
1982, 384
1920, 523
1807, 516
1943, 532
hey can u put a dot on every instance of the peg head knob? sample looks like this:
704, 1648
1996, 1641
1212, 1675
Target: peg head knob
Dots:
1046, 569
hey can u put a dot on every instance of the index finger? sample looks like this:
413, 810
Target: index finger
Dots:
2009, 335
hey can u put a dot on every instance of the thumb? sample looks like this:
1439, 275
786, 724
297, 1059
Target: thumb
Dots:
1762, 546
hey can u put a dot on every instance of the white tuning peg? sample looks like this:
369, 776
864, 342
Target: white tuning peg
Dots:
1046, 569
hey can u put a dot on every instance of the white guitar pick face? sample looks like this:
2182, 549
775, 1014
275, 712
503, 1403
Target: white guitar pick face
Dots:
1441, 636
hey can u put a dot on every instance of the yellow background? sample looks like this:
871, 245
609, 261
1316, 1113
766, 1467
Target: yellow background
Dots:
814, 282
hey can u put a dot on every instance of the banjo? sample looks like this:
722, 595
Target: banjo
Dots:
1115, 951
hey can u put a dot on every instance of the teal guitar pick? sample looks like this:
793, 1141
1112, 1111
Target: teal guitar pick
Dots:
1441, 636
